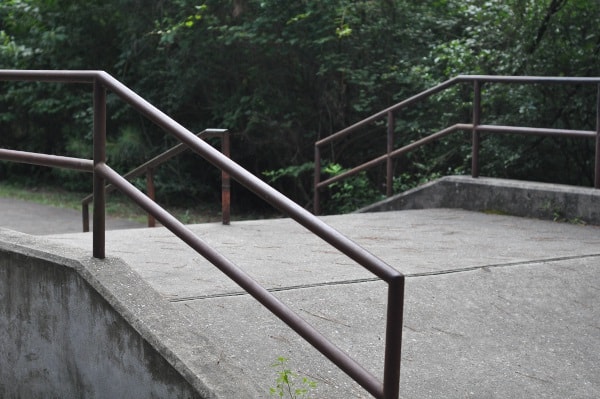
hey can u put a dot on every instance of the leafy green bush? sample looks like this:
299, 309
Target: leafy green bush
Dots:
348, 194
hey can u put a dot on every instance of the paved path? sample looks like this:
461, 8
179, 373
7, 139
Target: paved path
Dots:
496, 306
33, 218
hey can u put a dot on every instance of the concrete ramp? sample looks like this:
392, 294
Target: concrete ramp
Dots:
496, 306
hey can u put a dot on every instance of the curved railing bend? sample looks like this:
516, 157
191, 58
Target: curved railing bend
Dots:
102, 173
475, 127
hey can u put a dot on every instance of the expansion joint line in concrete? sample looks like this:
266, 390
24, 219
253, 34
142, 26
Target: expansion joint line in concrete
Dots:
278, 289
374, 279
498, 265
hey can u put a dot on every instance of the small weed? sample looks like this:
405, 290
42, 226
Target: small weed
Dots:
288, 383
556, 210
496, 212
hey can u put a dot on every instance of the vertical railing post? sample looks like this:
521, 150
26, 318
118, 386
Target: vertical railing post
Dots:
597, 160
475, 134
85, 215
226, 181
317, 179
99, 158
151, 192
389, 189
393, 338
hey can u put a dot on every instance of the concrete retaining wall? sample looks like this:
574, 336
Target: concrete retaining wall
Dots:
73, 327
528, 199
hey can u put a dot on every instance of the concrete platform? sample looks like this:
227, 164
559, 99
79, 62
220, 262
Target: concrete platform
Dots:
496, 306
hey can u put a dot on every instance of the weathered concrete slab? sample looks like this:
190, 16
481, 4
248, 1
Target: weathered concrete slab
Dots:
496, 306
280, 253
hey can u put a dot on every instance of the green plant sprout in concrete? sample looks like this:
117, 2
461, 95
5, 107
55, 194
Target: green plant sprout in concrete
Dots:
288, 383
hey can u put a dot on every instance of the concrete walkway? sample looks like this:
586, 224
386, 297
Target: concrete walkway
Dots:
496, 306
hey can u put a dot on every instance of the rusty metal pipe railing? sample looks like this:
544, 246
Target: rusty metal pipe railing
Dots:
57, 161
99, 215
527, 79
536, 131
394, 154
48, 76
381, 114
389, 167
389, 112
250, 181
147, 168
475, 135
267, 299
597, 160
475, 127
102, 81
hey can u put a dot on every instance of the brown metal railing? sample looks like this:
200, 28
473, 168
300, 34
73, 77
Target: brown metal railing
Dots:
149, 167
102, 173
475, 127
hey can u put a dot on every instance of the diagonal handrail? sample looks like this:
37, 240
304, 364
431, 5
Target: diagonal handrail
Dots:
102, 82
148, 167
475, 127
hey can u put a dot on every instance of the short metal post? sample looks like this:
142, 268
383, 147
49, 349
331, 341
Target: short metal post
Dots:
226, 181
99, 158
597, 163
393, 338
475, 134
389, 189
85, 215
151, 192
317, 179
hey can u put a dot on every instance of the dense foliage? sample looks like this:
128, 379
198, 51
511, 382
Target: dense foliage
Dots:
281, 75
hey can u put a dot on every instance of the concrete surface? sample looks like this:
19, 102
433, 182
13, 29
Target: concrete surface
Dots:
496, 306
511, 197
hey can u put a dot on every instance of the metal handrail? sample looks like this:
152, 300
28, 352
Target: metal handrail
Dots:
475, 127
147, 168
102, 81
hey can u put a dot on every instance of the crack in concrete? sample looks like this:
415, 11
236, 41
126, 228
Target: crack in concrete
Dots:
374, 279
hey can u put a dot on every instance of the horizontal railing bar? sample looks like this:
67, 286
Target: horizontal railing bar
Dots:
34, 158
528, 79
159, 159
48, 76
383, 113
431, 137
536, 131
459, 126
253, 183
393, 154
267, 299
